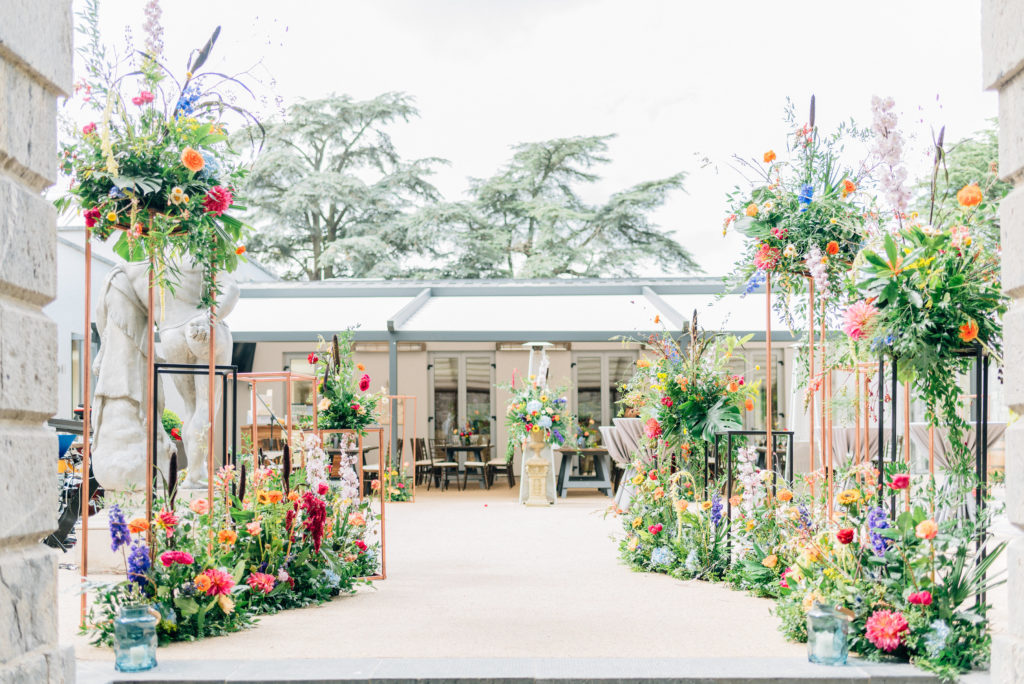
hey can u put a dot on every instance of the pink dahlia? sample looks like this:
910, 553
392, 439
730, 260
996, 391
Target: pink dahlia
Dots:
653, 428
767, 257
220, 582
169, 558
857, 319
217, 200
885, 628
91, 216
260, 581
364, 383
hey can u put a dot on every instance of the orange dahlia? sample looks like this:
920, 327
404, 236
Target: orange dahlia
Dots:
192, 160
969, 195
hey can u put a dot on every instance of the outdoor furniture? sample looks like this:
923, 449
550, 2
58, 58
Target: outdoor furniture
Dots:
497, 465
467, 456
475, 461
620, 460
631, 430
440, 466
421, 459
602, 467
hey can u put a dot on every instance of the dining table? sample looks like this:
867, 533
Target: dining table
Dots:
600, 480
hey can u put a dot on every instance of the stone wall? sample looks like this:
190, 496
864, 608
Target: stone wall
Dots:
35, 69
1002, 29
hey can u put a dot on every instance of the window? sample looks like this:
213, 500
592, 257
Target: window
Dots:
302, 392
462, 395
597, 377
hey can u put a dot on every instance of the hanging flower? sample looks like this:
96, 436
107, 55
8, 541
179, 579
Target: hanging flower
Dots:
885, 628
192, 160
969, 195
969, 331
857, 319
217, 200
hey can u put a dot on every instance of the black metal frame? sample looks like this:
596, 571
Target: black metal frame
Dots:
981, 368
200, 369
729, 434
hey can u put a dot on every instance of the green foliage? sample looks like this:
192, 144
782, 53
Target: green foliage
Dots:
530, 221
170, 420
332, 193
346, 403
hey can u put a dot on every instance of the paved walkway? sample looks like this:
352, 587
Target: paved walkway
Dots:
474, 574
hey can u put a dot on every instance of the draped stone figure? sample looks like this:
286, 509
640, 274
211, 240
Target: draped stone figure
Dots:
119, 420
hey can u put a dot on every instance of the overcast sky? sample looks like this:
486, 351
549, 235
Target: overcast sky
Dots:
674, 80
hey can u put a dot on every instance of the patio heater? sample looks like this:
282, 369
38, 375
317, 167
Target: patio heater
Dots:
539, 362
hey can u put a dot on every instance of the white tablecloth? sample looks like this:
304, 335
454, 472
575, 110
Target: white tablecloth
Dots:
943, 447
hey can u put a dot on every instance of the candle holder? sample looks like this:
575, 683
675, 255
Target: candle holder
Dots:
135, 639
827, 632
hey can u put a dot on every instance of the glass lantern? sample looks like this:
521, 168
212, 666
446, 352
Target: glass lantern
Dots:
135, 639
827, 631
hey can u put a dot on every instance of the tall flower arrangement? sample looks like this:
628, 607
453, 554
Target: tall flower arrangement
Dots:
346, 400
154, 165
536, 408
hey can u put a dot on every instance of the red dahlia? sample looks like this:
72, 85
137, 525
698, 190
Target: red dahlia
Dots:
217, 200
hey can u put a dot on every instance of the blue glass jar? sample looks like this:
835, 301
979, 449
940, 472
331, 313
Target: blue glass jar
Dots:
135, 639
827, 632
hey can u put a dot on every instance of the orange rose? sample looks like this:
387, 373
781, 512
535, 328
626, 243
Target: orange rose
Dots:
770, 561
202, 583
969, 331
733, 386
927, 529
192, 160
734, 500
784, 495
199, 506
769, 156
969, 195
138, 525
832, 248
228, 537
749, 404
751, 210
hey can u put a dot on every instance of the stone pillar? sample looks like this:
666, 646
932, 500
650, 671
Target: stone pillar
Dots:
35, 69
1002, 29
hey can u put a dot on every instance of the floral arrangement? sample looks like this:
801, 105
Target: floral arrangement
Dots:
587, 434
465, 434
155, 164
265, 543
346, 402
536, 408
800, 215
397, 486
172, 424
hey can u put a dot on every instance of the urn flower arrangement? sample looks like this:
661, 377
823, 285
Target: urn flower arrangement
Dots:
154, 164
535, 409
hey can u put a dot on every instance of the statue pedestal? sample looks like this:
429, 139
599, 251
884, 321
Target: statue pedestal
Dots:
537, 471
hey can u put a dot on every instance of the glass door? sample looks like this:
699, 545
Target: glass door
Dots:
461, 396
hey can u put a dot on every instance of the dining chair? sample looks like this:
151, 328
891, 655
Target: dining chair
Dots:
440, 466
497, 465
421, 459
475, 461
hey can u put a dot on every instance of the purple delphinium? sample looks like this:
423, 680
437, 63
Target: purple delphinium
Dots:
876, 523
755, 281
557, 435
119, 533
805, 517
138, 563
716, 509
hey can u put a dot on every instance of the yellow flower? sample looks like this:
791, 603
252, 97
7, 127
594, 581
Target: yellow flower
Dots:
112, 216
662, 376
637, 522
681, 505
784, 495
638, 479
543, 398
750, 525
705, 505
848, 497
751, 210
643, 363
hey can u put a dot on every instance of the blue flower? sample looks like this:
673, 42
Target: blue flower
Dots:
879, 341
716, 509
558, 436
211, 167
876, 523
533, 406
662, 556
754, 282
119, 533
544, 422
806, 193
138, 563
935, 640
333, 579
805, 517
116, 193
187, 102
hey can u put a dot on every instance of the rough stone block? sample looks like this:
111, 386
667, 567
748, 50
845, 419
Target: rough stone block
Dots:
1011, 218
28, 364
1007, 659
30, 668
1002, 54
28, 129
1011, 129
28, 244
28, 602
1013, 330
1015, 585
37, 36
27, 483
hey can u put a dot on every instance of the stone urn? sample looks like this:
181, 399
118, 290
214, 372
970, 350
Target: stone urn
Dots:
537, 471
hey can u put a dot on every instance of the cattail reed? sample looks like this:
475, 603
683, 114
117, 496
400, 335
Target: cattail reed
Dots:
286, 469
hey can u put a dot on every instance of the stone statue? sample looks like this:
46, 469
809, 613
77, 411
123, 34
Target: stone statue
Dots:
119, 420
185, 338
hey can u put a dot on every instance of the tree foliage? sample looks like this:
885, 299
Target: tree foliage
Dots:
529, 220
330, 192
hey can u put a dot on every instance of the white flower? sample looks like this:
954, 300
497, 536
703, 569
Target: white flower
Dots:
767, 206
790, 250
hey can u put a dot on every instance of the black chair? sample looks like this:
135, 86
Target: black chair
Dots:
440, 466
497, 465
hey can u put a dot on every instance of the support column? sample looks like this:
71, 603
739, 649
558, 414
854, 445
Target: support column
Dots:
1003, 70
35, 69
